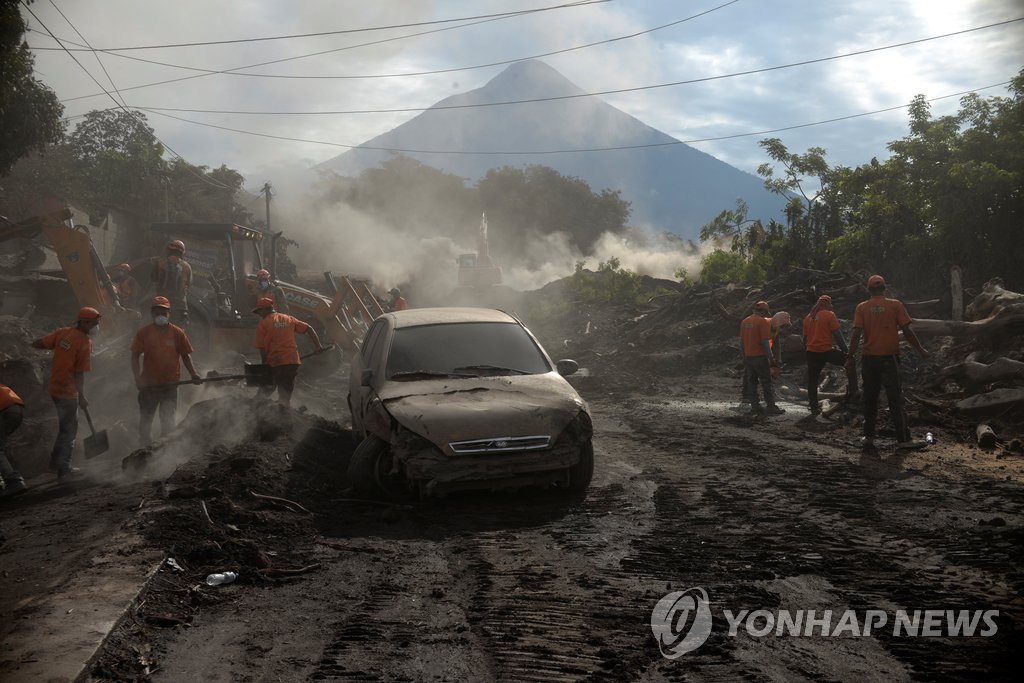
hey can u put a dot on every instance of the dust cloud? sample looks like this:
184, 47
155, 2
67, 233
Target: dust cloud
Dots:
422, 258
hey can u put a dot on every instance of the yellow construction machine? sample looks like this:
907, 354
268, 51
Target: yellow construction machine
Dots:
225, 258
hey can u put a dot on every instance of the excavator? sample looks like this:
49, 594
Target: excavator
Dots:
224, 258
88, 279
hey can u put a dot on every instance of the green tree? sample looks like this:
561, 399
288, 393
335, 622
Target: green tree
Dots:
30, 115
117, 160
720, 267
540, 200
952, 193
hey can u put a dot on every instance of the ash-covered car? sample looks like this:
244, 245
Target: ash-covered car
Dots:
464, 398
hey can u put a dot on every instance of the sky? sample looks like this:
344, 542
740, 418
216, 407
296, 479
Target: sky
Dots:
385, 69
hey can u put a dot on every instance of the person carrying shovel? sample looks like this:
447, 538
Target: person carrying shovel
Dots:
72, 350
162, 348
275, 338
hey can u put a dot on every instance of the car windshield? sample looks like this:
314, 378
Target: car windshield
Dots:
464, 349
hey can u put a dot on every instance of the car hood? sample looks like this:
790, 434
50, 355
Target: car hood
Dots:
446, 410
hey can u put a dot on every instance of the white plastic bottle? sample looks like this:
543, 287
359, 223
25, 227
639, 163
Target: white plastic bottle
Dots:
221, 578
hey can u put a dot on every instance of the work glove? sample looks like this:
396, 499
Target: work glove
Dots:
196, 379
776, 371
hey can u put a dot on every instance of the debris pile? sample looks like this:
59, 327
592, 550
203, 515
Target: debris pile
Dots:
974, 376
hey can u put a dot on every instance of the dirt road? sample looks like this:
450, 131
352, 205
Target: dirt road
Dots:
762, 515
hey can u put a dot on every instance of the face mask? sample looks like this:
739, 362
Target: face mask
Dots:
94, 330
264, 284
161, 320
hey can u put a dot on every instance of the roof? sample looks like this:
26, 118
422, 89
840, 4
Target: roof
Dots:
412, 317
207, 231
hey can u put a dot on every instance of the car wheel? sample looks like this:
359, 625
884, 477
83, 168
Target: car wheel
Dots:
362, 468
582, 472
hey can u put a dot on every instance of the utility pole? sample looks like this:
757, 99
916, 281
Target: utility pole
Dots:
266, 192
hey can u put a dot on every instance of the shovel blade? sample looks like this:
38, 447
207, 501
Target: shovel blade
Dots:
97, 444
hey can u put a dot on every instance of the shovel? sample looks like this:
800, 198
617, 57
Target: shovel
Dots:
97, 444
258, 374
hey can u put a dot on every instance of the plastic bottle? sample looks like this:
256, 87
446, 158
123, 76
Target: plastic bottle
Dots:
929, 438
221, 578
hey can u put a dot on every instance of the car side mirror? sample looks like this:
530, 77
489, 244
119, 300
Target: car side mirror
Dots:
566, 367
366, 377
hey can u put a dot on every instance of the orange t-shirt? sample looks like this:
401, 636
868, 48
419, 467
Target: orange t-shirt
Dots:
161, 349
8, 398
753, 331
276, 335
71, 351
881, 320
818, 331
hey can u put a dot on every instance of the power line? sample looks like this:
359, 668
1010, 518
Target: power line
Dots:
499, 15
120, 105
233, 70
564, 151
554, 98
236, 71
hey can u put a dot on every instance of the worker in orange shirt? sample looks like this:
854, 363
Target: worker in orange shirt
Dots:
275, 338
125, 285
172, 276
758, 361
266, 287
824, 343
72, 350
398, 302
162, 348
12, 411
879, 321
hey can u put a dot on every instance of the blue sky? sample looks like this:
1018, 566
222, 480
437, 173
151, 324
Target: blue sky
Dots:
742, 36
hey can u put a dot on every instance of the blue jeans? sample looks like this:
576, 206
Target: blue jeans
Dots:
10, 419
67, 430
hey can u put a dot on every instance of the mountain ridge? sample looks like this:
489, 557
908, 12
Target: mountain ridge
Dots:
671, 186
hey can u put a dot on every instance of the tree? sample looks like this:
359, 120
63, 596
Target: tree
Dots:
721, 266
30, 115
117, 160
952, 193
539, 199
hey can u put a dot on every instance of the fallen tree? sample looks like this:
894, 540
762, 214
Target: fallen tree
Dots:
972, 375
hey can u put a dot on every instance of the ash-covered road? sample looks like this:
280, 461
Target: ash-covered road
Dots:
687, 494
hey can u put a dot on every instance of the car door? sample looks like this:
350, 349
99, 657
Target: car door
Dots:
368, 358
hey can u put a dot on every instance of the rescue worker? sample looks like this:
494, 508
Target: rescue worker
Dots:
162, 347
879, 321
275, 338
72, 351
758, 360
172, 276
125, 285
266, 287
398, 302
824, 343
12, 411
780, 321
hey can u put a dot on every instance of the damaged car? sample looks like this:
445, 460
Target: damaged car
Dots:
452, 399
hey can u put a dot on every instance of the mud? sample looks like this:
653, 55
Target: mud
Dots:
533, 585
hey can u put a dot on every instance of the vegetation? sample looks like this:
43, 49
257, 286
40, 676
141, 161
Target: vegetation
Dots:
30, 115
952, 193
528, 202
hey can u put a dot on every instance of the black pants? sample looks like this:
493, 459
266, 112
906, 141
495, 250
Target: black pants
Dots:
284, 381
816, 361
878, 372
150, 400
757, 369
